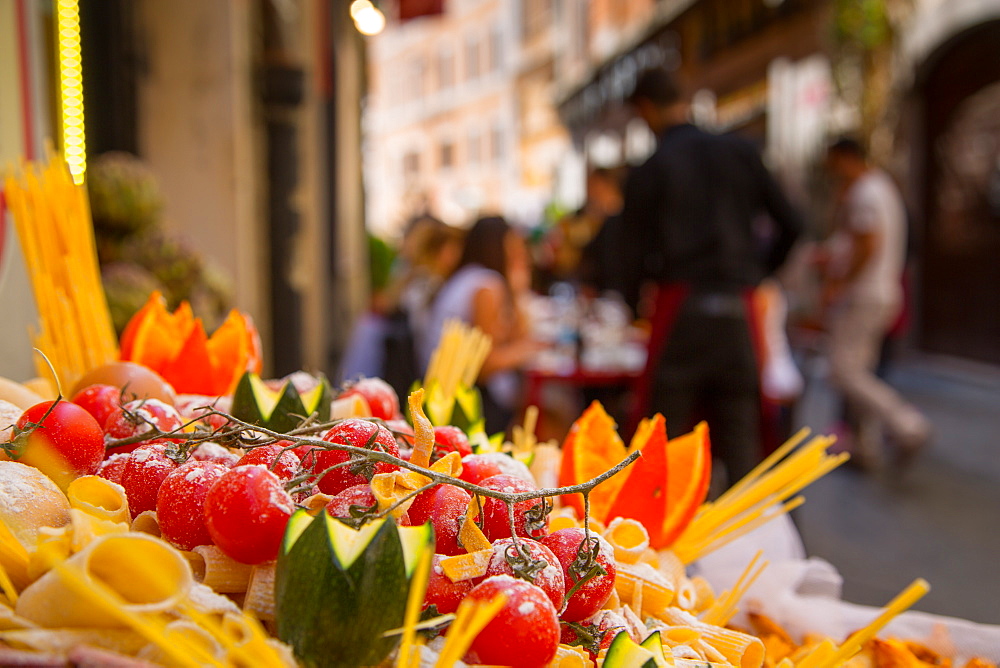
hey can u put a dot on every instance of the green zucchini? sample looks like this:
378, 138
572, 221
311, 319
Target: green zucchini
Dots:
338, 589
281, 410
625, 653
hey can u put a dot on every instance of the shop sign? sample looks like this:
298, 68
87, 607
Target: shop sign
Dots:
614, 81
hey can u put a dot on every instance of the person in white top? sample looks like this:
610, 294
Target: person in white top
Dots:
863, 296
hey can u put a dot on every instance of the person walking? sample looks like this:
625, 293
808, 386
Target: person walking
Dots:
862, 297
695, 220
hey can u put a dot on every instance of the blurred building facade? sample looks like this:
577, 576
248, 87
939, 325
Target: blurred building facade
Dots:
916, 79
440, 116
248, 114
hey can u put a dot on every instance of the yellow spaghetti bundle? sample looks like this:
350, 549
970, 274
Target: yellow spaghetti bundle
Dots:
762, 495
52, 218
458, 357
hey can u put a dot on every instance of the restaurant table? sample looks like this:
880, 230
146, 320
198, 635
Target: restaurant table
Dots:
579, 378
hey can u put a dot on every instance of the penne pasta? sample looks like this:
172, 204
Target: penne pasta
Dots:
570, 657
100, 498
146, 522
655, 591
738, 649
685, 596
221, 572
628, 538
260, 593
84, 528
704, 594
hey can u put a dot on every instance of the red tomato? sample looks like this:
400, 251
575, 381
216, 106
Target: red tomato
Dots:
524, 633
144, 472
450, 439
594, 593
246, 512
66, 444
476, 468
496, 522
358, 495
113, 467
180, 503
444, 507
381, 398
99, 400
442, 592
198, 406
403, 432
283, 463
138, 417
549, 578
603, 626
213, 452
359, 433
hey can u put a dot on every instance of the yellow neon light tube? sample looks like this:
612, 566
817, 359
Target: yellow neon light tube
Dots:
71, 87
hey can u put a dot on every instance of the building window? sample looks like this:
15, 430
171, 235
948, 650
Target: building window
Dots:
447, 154
536, 18
411, 165
497, 139
496, 49
446, 69
416, 84
472, 57
474, 148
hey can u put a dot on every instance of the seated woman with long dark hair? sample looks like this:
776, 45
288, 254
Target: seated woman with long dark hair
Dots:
483, 291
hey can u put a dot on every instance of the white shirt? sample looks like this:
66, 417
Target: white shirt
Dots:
873, 205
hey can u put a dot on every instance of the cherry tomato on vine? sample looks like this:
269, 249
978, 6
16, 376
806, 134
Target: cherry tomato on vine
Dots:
246, 512
529, 519
450, 439
569, 547
180, 503
542, 568
59, 438
145, 470
442, 592
283, 463
381, 398
139, 417
361, 434
444, 507
524, 633
99, 400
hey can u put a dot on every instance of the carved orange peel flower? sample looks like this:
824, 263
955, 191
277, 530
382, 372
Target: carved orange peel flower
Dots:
176, 346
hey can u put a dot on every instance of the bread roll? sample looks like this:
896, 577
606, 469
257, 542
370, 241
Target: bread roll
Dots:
30, 500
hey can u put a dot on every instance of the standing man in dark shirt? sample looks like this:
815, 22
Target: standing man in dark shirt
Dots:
691, 221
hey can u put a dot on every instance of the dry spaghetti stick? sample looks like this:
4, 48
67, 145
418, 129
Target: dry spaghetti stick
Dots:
691, 552
793, 476
478, 357
743, 526
418, 587
917, 589
764, 466
471, 618
725, 607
